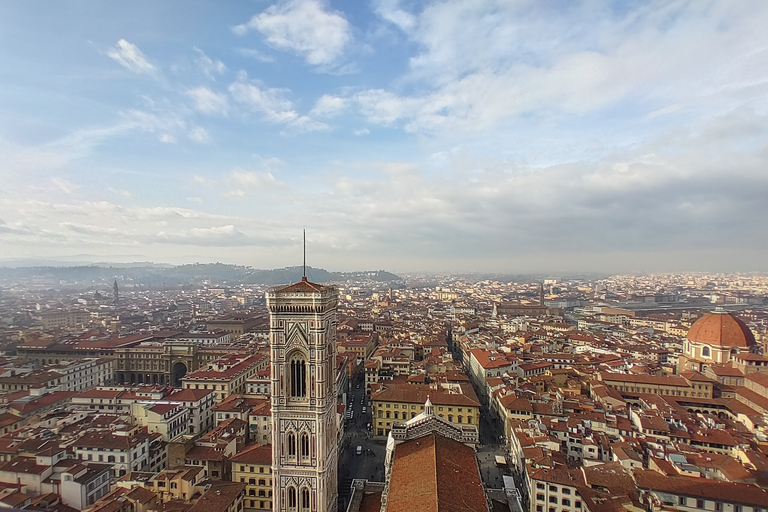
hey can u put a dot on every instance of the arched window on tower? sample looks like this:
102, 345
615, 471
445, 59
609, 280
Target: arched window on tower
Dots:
705, 352
291, 444
304, 445
291, 498
305, 499
298, 377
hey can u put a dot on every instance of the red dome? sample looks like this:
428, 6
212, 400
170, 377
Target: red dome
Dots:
721, 330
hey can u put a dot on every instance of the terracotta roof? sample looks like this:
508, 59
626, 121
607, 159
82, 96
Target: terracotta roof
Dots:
722, 330
714, 490
189, 395
302, 286
219, 497
434, 473
255, 454
417, 394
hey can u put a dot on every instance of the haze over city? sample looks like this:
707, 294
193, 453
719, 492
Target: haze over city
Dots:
453, 136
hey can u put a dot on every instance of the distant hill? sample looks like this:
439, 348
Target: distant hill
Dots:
150, 274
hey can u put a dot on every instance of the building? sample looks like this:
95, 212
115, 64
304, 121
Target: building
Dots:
430, 466
716, 338
236, 325
688, 494
400, 402
253, 467
126, 450
164, 363
62, 319
304, 421
227, 376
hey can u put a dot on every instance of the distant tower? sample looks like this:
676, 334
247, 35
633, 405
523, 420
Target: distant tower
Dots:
541, 294
495, 313
115, 294
304, 433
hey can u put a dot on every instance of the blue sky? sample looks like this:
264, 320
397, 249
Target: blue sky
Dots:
450, 135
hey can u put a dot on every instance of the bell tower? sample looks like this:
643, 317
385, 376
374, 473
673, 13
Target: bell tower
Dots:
304, 431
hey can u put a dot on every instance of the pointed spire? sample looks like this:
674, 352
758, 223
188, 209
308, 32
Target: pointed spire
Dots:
304, 277
429, 409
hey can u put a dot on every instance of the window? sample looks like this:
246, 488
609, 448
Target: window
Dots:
553, 488
292, 497
304, 445
566, 502
681, 500
539, 497
298, 378
305, 499
291, 445
540, 486
553, 499
705, 352
262, 481
699, 503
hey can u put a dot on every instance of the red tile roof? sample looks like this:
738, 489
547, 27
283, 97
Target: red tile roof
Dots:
722, 330
434, 473
714, 490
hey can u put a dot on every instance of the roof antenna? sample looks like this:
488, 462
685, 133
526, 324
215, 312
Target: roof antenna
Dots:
304, 278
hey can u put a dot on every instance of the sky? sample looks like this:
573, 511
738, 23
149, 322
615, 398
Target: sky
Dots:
473, 135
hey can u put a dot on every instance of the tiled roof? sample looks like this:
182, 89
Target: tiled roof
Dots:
256, 454
714, 490
417, 394
721, 330
302, 286
434, 473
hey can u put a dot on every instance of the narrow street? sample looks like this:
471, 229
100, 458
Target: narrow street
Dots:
370, 463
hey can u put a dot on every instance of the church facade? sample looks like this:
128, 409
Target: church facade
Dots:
304, 440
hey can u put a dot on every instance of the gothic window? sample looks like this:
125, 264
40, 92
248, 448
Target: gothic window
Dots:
298, 377
305, 499
291, 498
291, 444
304, 445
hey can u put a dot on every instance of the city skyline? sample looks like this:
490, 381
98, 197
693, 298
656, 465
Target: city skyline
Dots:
448, 136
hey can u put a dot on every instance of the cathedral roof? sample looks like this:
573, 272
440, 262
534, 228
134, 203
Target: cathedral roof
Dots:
434, 473
721, 329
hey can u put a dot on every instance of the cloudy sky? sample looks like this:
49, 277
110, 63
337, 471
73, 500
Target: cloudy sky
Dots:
408, 135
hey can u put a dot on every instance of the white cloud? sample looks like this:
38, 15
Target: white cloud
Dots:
199, 135
361, 131
208, 101
130, 57
65, 186
328, 106
208, 66
167, 138
273, 104
203, 181
303, 27
248, 179
255, 54
270, 102
482, 64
